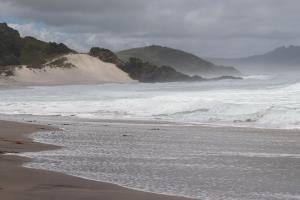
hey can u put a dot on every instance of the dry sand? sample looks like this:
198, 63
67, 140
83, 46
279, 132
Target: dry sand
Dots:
86, 70
18, 183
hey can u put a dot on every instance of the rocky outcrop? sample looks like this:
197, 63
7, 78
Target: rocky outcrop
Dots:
106, 56
225, 78
147, 72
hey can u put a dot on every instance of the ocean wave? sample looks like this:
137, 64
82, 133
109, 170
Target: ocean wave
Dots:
258, 77
264, 107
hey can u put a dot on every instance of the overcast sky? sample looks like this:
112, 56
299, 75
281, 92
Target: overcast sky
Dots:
215, 28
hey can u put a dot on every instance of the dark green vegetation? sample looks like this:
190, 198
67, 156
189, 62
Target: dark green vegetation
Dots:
15, 50
106, 56
181, 61
147, 72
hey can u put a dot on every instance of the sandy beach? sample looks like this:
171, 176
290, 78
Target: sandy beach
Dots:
17, 182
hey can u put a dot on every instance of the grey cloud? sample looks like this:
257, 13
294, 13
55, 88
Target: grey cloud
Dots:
200, 26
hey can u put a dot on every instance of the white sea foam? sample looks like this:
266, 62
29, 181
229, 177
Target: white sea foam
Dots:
250, 103
258, 77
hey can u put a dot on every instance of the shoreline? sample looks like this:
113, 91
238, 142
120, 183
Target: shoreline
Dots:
19, 118
18, 182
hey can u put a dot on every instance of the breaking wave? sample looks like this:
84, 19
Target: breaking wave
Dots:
227, 103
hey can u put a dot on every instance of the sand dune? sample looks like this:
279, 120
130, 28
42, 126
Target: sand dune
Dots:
85, 70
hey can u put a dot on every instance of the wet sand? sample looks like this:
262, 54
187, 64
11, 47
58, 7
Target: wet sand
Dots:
19, 183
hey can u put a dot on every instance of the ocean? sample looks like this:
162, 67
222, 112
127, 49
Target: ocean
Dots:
187, 139
258, 101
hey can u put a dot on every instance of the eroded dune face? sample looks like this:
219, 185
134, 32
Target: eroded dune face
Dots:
81, 69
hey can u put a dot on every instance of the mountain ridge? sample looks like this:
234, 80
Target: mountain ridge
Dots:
279, 59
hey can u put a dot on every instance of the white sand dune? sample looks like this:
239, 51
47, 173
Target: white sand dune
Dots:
86, 70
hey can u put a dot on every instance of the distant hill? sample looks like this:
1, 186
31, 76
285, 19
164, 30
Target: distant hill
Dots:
15, 50
279, 59
181, 61
143, 71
